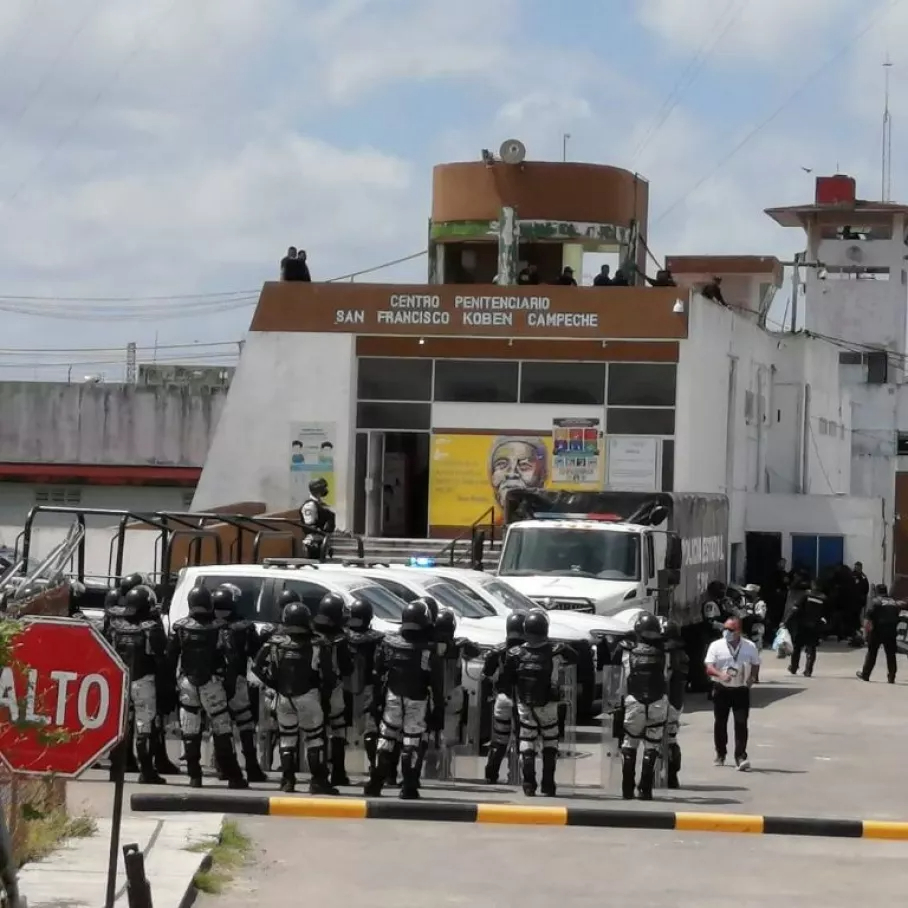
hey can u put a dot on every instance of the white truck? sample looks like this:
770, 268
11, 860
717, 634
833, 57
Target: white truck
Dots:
616, 553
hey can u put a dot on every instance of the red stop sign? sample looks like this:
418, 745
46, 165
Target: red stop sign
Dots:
63, 700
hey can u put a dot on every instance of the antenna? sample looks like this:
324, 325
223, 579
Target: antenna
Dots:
887, 137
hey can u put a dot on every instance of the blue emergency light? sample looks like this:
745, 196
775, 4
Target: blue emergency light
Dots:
421, 561
553, 515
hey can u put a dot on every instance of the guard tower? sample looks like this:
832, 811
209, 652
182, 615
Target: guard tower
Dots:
855, 270
492, 217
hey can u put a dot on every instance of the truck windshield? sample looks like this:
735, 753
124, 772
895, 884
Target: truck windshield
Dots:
569, 551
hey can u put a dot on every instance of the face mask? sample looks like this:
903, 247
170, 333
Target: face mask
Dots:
730, 636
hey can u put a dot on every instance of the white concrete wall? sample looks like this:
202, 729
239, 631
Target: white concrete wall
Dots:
859, 520
508, 417
282, 378
44, 422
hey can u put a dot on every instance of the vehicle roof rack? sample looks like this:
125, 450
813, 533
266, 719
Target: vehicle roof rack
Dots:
290, 562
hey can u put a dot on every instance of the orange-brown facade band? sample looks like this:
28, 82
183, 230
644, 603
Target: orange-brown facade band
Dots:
473, 310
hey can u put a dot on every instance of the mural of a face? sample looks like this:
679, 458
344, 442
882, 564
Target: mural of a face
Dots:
516, 463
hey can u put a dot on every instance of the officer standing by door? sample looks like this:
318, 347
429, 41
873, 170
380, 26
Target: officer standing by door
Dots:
881, 629
317, 518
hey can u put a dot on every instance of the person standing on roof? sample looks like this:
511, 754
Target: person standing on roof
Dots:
733, 664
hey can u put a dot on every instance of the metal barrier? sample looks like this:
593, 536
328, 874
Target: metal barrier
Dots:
138, 889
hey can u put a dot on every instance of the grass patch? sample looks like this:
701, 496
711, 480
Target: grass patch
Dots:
45, 832
229, 851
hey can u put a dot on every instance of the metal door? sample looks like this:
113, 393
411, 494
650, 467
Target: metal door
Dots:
375, 481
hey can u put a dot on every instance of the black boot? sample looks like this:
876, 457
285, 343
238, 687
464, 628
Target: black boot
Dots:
549, 762
339, 762
289, 762
227, 761
647, 776
147, 773
811, 661
528, 772
628, 773
391, 780
162, 762
254, 772
384, 766
370, 746
319, 783
497, 753
192, 745
409, 774
674, 766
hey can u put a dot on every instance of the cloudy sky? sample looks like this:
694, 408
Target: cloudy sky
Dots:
175, 148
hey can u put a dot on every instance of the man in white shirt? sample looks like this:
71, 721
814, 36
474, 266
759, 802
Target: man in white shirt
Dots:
733, 665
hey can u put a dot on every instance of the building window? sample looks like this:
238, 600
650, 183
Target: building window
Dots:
641, 384
902, 444
476, 381
562, 383
405, 417
668, 465
632, 421
394, 379
68, 496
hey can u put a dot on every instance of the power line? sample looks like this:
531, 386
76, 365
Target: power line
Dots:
689, 76
804, 85
121, 361
24, 351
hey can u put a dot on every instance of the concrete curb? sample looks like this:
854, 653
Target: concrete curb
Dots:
192, 893
519, 815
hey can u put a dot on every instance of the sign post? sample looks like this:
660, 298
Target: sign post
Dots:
63, 703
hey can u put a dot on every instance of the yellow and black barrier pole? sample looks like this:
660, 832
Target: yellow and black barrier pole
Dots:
517, 815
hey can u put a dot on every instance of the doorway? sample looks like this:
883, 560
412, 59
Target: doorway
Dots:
763, 551
391, 497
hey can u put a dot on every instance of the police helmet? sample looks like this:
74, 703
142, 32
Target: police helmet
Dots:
131, 581
225, 599
319, 487
296, 617
287, 597
111, 600
536, 626
513, 627
431, 605
331, 614
445, 624
199, 601
647, 627
415, 617
670, 629
139, 602
360, 615
716, 588
881, 589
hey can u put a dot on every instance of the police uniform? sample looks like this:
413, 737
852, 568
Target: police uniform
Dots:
194, 647
239, 643
364, 643
406, 672
645, 705
884, 617
289, 664
503, 702
806, 620
678, 671
139, 640
531, 670
317, 518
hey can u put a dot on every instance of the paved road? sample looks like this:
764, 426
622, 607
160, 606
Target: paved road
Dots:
828, 746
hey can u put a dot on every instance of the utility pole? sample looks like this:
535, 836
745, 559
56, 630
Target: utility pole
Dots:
887, 137
564, 143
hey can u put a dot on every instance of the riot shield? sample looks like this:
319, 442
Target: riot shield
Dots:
358, 697
454, 751
568, 753
612, 727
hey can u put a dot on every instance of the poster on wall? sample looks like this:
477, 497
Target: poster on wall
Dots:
472, 473
633, 464
311, 457
577, 452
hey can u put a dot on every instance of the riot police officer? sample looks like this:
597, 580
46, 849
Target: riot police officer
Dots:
503, 704
140, 642
364, 642
166, 699
317, 518
452, 653
881, 625
805, 621
194, 648
645, 705
530, 670
678, 670
336, 666
239, 643
288, 664
406, 672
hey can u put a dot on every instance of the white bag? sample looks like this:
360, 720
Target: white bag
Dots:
782, 643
